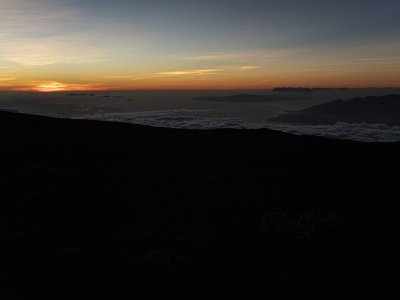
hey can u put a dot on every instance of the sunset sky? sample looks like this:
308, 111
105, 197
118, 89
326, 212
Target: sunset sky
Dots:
51, 45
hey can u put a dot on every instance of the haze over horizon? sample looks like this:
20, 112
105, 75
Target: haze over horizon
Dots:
98, 45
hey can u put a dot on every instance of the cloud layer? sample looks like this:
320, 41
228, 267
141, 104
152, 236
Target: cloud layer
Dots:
184, 119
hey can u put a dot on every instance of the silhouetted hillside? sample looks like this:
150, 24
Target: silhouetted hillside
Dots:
96, 210
305, 90
385, 109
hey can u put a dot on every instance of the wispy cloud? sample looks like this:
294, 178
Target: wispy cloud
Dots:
26, 16
222, 56
377, 60
39, 33
167, 74
248, 68
198, 73
45, 51
189, 72
259, 54
262, 81
7, 78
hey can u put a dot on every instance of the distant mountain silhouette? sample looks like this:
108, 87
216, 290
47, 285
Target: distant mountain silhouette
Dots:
385, 109
240, 98
300, 89
81, 94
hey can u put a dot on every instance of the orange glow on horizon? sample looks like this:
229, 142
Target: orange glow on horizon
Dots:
245, 76
202, 81
51, 87
54, 86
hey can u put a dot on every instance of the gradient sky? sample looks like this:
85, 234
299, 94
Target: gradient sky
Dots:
186, 44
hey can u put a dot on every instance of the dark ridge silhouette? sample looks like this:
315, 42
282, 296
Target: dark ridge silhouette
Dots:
9, 110
97, 210
241, 98
300, 89
385, 109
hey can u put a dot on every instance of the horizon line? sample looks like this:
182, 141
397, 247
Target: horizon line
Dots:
194, 89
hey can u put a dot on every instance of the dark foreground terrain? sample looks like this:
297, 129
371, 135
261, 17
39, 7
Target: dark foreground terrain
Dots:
94, 210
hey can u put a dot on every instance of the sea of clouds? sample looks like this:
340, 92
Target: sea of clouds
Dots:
187, 119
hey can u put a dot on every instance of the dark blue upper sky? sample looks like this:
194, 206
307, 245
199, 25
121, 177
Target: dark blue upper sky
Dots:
309, 18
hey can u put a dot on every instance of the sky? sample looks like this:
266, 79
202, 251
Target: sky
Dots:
53, 45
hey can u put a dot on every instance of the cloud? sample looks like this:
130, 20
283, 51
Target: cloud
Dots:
197, 74
189, 72
45, 51
258, 54
248, 68
187, 119
215, 56
262, 81
377, 60
27, 17
167, 74
361, 132
178, 118
7, 78
42, 33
